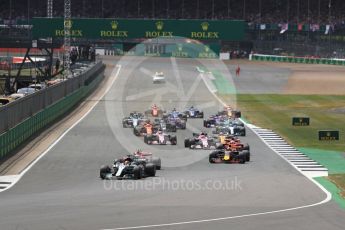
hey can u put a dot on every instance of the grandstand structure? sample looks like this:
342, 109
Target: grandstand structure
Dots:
292, 27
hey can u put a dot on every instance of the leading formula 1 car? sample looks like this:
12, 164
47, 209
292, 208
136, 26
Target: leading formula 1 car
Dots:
223, 156
128, 167
149, 158
160, 138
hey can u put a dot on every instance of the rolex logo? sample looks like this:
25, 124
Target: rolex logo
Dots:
328, 134
159, 25
67, 23
204, 26
179, 47
114, 25
207, 49
301, 120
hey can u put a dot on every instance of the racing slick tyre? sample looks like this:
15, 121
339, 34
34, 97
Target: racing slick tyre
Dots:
186, 143
171, 128
157, 162
219, 146
105, 169
183, 117
247, 155
150, 170
205, 123
137, 172
145, 139
148, 113
211, 158
201, 115
243, 132
136, 132
173, 140
115, 170
237, 114
246, 147
242, 158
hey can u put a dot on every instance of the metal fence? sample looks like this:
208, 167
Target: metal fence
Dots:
21, 109
14, 137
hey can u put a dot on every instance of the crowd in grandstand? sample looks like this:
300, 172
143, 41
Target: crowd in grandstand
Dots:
255, 11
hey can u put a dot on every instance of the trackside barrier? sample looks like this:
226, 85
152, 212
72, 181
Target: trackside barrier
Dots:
304, 60
19, 110
22, 131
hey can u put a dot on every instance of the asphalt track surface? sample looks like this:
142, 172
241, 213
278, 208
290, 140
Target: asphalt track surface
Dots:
63, 191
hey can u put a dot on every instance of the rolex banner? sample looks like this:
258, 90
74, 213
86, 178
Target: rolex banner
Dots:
135, 28
180, 50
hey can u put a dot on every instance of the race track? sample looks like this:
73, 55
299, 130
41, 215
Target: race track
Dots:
63, 191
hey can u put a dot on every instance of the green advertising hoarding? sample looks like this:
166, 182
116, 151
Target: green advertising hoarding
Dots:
300, 121
329, 135
180, 50
140, 28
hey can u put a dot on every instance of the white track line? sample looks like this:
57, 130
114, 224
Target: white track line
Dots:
20, 175
221, 218
327, 199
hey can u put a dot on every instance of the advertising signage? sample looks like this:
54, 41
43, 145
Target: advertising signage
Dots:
139, 28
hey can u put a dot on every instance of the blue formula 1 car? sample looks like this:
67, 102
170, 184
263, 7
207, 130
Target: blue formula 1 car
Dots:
175, 114
192, 112
215, 120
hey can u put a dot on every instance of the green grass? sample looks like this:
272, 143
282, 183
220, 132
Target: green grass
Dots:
339, 181
326, 112
334, 189
276, 111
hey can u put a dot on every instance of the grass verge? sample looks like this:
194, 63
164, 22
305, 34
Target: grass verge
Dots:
333, 189
339, 181
275, 112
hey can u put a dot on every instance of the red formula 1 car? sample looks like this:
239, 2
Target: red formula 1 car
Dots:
155, 111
